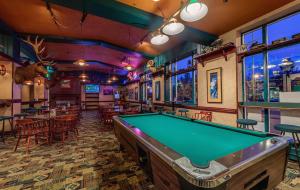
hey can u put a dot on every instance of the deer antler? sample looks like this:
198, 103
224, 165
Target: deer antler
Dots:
37, 46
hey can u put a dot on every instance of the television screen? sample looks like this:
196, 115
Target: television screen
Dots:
92, 88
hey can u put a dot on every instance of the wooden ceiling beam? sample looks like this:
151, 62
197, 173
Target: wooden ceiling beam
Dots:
88, 61
70, 40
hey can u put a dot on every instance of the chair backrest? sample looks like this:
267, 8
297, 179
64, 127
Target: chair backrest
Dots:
25, 127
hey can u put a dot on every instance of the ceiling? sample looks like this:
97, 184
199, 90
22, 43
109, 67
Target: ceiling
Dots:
116, 28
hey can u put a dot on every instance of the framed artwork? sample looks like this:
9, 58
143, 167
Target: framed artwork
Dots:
131, 94
136, 93
214, 85
108, 91
157, 90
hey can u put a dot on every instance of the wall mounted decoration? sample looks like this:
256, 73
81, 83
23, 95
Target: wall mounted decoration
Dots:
2, 70
157, 90
131, 94
108, 91
214, 85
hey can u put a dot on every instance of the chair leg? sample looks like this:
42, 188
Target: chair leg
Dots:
36, 139
18, 141
28, 144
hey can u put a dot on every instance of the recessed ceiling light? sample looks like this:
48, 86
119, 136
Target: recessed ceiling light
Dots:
173, 27
193, 11
159, 38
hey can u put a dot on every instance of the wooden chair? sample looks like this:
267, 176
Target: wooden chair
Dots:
108, 118
26, 129
61, 128
204, 115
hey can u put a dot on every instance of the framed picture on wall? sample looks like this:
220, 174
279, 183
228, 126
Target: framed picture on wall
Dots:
136, 93
157, 90
214, 85
131, 94
108, 91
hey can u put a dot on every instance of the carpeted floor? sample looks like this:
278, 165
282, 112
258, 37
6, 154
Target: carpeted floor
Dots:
94, 162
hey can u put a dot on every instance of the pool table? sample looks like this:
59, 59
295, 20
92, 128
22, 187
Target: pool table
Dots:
182, 153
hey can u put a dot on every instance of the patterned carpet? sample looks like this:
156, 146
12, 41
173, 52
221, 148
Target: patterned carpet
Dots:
93, 162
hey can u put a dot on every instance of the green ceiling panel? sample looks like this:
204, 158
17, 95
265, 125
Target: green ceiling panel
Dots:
126, 14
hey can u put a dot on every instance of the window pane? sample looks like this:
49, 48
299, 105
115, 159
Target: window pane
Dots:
185, 88
184, 63
284, 73
254, 77
149, 90
167, 92
253, 36
285, 27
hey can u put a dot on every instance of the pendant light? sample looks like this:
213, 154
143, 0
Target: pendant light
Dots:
158, 38
193, 11
173, 27
80, 62
114, 77
28, 82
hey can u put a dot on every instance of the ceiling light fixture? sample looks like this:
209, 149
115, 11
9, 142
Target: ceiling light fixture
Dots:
193, 11
128, 67
28, 82
80, 62
83, 76
158, 38
173, 27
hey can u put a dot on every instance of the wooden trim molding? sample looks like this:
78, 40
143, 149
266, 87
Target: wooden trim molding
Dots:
204, 108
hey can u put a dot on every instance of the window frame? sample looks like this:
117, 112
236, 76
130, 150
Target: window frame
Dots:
170, 79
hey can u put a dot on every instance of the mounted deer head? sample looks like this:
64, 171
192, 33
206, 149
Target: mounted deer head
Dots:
30, 71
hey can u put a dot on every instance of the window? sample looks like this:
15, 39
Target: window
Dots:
253, 36
273, 74
284, 72
146, 88
254, 78
181, 86
285, 27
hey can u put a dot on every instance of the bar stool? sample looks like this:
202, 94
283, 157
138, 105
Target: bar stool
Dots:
183, 111
171, 112
3, 119
160, 108
295, 130
245, 123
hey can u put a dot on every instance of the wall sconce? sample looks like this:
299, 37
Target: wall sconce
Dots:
39, 82
2, 70
28, 82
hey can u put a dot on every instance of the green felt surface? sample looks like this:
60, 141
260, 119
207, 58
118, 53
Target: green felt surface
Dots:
200, 142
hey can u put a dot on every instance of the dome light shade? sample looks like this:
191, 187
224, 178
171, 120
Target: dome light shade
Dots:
28, 82
159, 39
114, 78
173, 27
83, 76
193, 11
80, 62
128, 67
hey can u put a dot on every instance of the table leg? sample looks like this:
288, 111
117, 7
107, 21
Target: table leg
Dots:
296, 138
